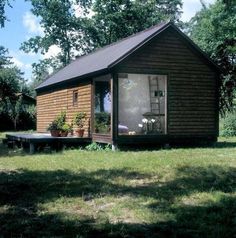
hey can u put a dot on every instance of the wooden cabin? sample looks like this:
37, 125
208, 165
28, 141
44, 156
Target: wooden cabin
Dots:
155, 86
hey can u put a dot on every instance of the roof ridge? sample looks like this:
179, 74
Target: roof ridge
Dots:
106, 46
123, 39
124, 42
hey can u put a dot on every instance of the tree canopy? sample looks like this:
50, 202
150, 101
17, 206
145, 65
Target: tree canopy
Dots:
98, 23
10, 76
3, 18
213, 28
116, 19
60, 26
78, 26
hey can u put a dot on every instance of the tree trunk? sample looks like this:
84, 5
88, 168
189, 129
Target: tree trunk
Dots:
15, 122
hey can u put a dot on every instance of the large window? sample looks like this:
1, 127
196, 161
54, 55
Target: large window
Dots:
142, 104
102, 105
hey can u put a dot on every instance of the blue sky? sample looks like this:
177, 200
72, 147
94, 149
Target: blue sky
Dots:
23, 25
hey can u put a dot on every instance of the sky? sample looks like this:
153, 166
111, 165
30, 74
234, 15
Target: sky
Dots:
23, 24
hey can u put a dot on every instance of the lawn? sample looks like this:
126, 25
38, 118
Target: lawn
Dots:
182, 192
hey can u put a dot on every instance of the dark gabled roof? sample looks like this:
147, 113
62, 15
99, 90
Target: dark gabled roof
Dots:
26, 98
108, 56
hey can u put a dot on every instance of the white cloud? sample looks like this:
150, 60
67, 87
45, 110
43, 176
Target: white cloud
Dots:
17, 62
22, 62
52, 52
31, 23
190, 7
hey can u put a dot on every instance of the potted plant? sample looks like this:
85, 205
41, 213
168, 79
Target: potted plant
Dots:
79, 120
54, 129
65, 129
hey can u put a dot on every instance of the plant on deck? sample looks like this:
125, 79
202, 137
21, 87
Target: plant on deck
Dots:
59, 127
80, 120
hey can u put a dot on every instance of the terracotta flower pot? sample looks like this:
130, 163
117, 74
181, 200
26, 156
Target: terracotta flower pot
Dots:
64, 133
55, 133
80, 132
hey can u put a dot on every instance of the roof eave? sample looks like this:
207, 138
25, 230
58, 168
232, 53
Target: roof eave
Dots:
164, 27
72, 80
197, 48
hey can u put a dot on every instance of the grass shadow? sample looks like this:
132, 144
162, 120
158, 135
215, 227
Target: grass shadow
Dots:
21, 192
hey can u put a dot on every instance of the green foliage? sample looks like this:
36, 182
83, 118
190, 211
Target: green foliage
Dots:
61, 28
73, 34
80, 119
93, 147
12, 85
3, 18
102, 122
14, 110
10, 79
59, 123
67, 127
116, 19
61, 119
41, 70
98, 147
53, 126
10, 76
229, 125
214, 30
4, 58
184, 192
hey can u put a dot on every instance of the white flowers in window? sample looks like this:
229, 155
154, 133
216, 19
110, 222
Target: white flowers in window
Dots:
144, 120
148, 125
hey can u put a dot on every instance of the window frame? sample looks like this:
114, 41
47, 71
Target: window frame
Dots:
75, 98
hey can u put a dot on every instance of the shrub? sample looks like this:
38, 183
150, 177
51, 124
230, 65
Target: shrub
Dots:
53, 126
93, 147
58, 122
97, 147
61, 119
67, 127
80, 119
229, 125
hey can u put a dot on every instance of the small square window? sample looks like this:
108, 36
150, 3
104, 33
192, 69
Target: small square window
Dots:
75, 98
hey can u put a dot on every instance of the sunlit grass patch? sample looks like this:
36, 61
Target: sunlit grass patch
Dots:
181, 192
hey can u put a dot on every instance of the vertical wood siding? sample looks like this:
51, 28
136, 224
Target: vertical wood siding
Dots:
50, 104
192, 86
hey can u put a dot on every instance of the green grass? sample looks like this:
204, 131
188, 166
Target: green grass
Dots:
184, 192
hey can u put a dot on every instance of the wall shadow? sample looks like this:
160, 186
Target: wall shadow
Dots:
22, 190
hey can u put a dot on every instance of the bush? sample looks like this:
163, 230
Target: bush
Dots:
98, 147
229, 125
93, 147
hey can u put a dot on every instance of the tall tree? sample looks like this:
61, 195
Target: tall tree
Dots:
214, 30
10, 76
4, 58
116, 19
110, 21
3, 18
61, 28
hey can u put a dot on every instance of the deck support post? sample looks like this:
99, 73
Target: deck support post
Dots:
114, 147
32, 148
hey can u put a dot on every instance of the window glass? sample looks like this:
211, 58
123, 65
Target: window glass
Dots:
102, 107
142, 104
75, 98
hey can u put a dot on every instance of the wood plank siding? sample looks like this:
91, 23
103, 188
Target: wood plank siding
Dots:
51, 103
192, 84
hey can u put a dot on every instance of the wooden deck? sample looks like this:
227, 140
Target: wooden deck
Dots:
38, 139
